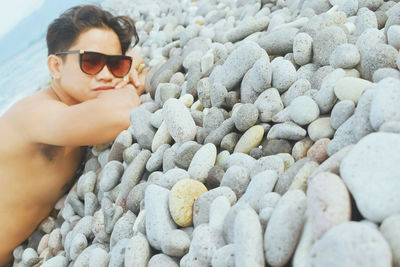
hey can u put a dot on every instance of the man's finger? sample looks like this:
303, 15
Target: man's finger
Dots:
134, 78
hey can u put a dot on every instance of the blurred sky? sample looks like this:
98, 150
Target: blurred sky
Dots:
12, 12
24, 22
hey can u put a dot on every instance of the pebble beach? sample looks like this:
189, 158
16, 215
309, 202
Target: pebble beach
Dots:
268, 137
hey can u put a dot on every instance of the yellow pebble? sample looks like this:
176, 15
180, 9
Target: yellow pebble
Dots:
181, 199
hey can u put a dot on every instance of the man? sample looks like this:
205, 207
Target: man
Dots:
44, 136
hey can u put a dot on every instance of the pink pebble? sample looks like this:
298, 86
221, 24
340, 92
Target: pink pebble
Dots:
328, 203
43, 243
318, 150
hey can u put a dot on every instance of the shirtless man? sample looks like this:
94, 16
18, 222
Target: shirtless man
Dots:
44, 136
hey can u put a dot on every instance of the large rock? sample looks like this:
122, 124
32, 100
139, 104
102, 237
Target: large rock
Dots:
371, 173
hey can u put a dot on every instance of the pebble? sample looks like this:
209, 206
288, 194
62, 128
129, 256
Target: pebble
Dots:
110, 175
378, 56
238, 159
224, 256
250, 139
179, 122
156, 160
269, 104
137, 252
162, 260
301, 178
345, 56
361, 124
320, 128
123, 141
237, 64
286, 130
246, 28
181, 199
284, 228
162, 137
202, 162
286, 179
248, 239
175, 243
356, 242
370, 174
158, 219
383, 107
326, 97
349, 88
278, 42
202, 204
303, 110
185, 153
341, 112
318, 150
236, 178
256, 80
365, 19
260, 185
245, 117
328, 203
343, 137
390, 231
283, 74
142, 130
302, 48
229, 141
326, 42
383, 73
301, 147
275, 146
298, 88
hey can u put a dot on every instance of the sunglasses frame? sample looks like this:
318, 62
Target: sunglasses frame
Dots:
106, 60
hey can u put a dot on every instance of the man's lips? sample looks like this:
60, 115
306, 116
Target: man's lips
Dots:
104, 88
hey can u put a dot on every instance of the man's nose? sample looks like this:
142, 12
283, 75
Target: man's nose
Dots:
105, 74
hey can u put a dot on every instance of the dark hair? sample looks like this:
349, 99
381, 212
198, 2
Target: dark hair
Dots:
63, 31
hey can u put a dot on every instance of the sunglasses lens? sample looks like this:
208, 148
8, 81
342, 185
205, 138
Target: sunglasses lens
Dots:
119, 66
92, 63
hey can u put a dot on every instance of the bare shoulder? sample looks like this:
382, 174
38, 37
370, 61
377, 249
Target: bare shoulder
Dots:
30, 109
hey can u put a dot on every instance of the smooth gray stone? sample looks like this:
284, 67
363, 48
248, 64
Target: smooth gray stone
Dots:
216, 135
361, 123
236, 65
158, 219
326, 97
384, 106
379, 56
371, 175
165, 72
248, 239
202, 204
343, 137
185, 153
142, 130
286, 179
278, 42
341, 112
359, 244
284, 227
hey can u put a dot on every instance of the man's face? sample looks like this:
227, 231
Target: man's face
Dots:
79, 85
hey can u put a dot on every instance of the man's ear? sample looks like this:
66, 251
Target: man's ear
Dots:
54, 63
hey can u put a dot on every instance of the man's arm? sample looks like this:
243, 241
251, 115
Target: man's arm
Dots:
92, 122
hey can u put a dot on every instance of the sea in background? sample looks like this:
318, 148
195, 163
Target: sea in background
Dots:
23, 52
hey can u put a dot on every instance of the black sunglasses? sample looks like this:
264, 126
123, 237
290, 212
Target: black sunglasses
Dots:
93, 62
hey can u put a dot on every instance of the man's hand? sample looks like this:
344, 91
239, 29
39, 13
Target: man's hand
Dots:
123, 95
135, 77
